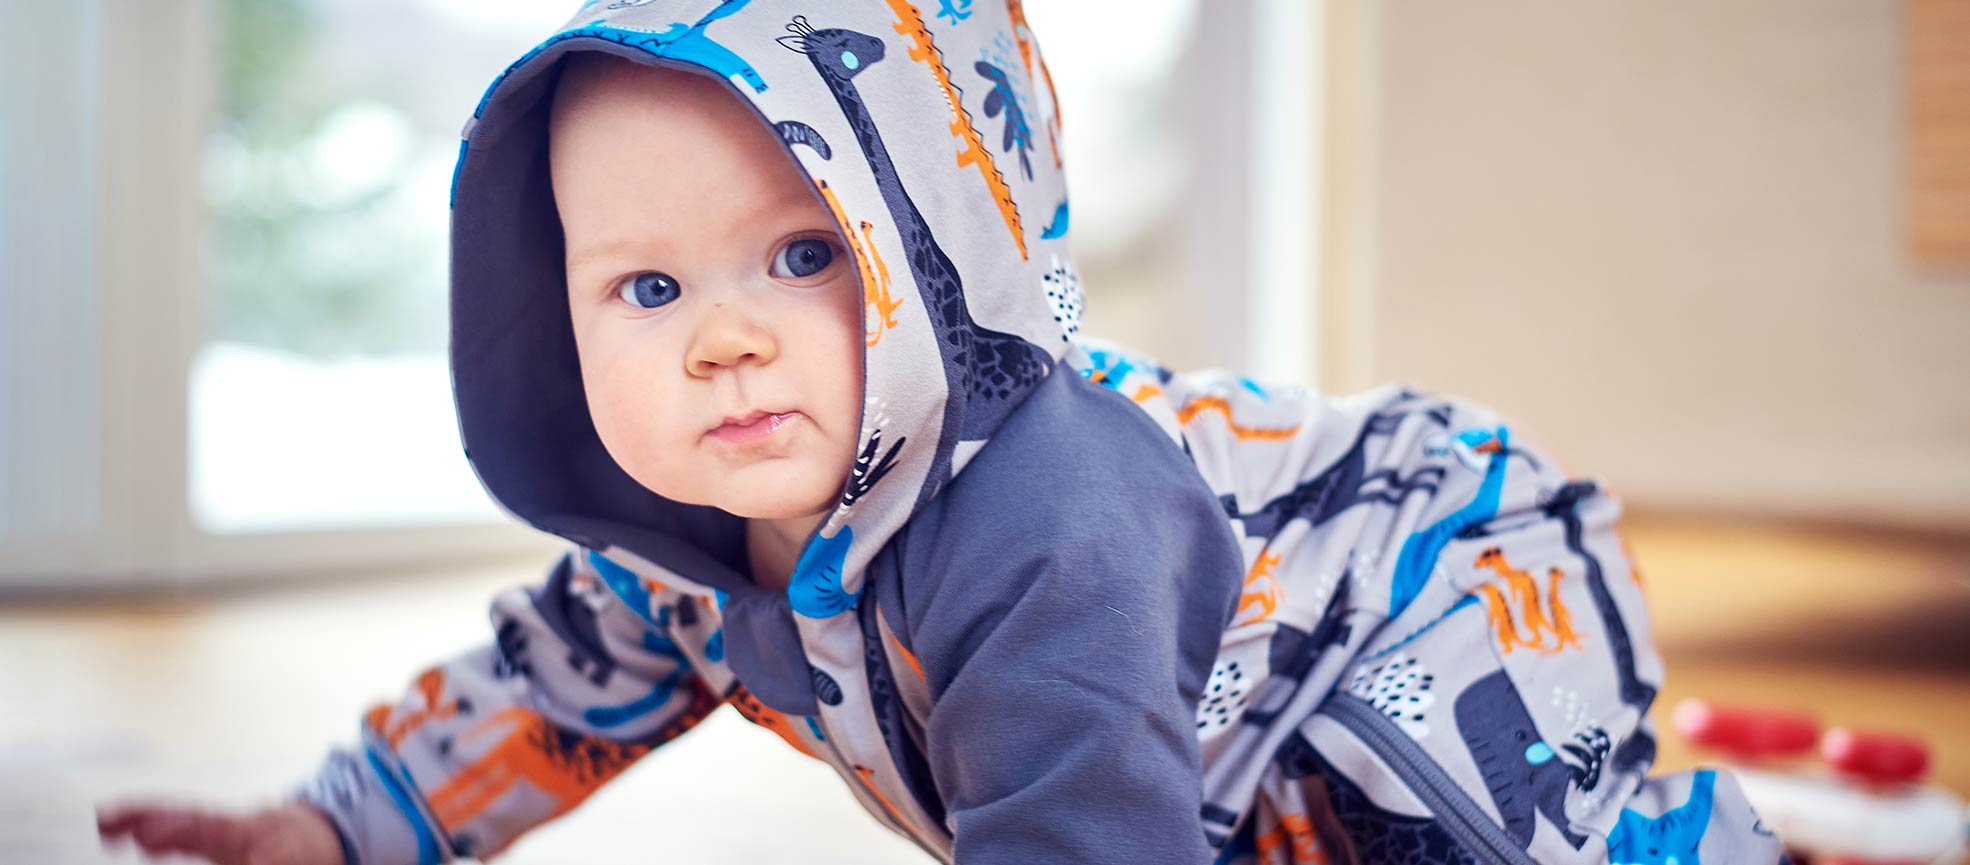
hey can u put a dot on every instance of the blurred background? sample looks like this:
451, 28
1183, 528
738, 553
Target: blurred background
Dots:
1715, 253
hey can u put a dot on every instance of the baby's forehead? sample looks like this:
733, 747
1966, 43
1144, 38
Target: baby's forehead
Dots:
636, 120
593, 85
648, 162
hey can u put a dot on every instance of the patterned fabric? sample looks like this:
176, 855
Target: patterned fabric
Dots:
1071, 606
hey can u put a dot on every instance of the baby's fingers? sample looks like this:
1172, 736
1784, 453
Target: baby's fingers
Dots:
120, 820
215, 837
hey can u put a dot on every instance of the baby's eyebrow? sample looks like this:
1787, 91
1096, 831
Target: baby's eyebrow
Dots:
602, 251
789, 198
605, 250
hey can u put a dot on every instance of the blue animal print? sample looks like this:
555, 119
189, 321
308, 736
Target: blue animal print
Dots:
815, 589
1670, 839
1058, 227
696, 48
1003, 99
956, 10
1419, 551
1112, 366
656, 643
624, 583
680, 42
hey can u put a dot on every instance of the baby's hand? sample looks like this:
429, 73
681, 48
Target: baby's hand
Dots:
292, 834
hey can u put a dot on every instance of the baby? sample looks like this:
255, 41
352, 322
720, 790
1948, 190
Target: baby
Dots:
771, 316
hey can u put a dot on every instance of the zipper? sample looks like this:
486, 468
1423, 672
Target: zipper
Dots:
1455, 811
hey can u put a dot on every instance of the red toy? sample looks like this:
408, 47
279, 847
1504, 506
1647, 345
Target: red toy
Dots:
1865, 805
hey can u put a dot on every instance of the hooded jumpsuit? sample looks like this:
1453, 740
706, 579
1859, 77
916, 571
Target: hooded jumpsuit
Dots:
1071, 606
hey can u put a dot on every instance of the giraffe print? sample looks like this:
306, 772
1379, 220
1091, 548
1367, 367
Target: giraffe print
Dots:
984, 368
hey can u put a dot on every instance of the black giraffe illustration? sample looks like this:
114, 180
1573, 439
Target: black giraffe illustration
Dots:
1342, 485
984, 369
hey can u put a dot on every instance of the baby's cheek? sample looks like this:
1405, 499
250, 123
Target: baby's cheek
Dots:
636, 436
837, 342
668, 471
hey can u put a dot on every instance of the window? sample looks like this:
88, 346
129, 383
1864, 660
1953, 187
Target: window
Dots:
321, 395
224, 321
48, 423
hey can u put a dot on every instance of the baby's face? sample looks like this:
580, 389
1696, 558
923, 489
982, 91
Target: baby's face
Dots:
716, 313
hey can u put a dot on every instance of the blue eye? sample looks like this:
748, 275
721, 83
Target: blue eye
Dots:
649, 290
804, 257
849, 59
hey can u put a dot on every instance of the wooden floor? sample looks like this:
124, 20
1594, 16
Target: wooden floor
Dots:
233, 698
1864, 629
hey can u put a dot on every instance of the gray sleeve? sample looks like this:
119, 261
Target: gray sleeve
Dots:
581, 679
362, 794
1065, 643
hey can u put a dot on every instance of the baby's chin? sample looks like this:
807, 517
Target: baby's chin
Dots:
777, 508
804, 486
775, 495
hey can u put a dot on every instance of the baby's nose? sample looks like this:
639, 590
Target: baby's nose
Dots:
725, 340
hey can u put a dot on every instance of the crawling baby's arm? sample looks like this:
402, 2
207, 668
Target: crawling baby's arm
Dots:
579, 682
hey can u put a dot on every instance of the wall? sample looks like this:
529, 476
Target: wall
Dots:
1663, 238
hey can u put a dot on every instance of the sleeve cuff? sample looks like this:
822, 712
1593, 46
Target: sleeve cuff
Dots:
374, 808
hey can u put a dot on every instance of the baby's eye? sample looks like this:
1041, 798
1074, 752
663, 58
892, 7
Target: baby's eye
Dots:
804, 257
649, 290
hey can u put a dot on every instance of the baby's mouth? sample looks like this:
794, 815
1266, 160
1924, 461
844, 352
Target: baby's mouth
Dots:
755, 427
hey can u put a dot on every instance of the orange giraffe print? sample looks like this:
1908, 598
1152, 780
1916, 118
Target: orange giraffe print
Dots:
561, 765
885, 306
1294, 837
557, 762
1547, 633
1267, 597
1222, 406
974, 153
875, 281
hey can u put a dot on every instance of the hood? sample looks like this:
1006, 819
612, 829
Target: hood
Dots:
932, 136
